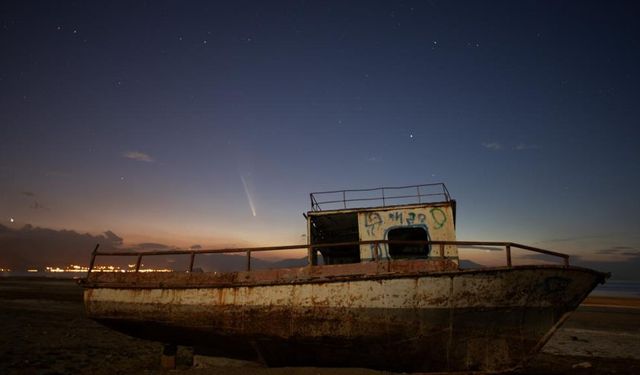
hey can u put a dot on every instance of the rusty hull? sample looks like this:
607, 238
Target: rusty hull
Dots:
391, 315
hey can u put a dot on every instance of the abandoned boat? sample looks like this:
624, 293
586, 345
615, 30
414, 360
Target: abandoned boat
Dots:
383, 289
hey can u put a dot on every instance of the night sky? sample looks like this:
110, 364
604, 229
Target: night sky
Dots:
210, 122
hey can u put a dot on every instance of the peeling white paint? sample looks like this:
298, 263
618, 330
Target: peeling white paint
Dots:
509, 288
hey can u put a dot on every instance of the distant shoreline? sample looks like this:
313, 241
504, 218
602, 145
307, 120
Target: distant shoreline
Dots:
599, 301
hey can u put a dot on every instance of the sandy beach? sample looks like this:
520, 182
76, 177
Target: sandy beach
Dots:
45, 331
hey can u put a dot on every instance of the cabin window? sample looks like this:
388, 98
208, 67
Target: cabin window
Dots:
408, 251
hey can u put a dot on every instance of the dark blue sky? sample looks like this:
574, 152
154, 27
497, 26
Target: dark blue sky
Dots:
144, 118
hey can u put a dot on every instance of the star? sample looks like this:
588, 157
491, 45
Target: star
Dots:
11, 220
411, 135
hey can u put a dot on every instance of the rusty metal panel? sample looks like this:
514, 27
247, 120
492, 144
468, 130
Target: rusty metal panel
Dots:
316, 274
484, 320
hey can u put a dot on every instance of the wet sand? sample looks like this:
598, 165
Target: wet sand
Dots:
44, 331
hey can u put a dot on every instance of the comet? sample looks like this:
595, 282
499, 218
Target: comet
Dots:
246, 190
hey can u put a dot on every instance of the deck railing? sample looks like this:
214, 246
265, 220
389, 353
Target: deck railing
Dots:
313, 249
382, 196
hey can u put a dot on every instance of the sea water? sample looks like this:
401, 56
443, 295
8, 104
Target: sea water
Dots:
624, 289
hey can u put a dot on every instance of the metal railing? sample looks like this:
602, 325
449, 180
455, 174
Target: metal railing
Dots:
313, 249
382, 196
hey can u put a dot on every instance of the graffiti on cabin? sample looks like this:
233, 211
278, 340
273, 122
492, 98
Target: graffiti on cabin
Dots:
373, 225
372, 221
439, 217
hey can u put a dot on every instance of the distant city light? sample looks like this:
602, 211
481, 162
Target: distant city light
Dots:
84, 269
11, 220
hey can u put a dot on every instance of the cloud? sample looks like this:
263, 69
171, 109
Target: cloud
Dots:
138, 156
152, 246
113, 238
546, 257
36, 247
580, 238
523, 147
620, 270
494, 146
623, 262
620, 250
38, 206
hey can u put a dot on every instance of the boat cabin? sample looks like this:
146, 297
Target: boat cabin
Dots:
418, 214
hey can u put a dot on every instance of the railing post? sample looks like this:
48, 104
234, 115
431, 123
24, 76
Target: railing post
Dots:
93, 257
383, 203
193, 258
376, 251
418, 189
441, 250
248, 260
312, 256
138, 263
344, 198
508, 247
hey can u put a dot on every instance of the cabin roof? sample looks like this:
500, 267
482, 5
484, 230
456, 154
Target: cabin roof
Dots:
376, 198
379, 208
